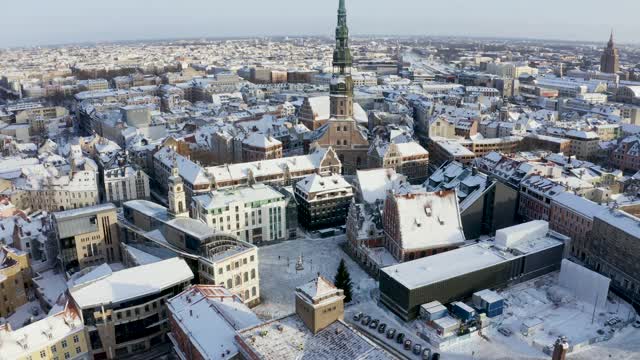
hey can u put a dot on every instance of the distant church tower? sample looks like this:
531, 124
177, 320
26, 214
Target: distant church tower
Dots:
342, 132
610, 61
177, 197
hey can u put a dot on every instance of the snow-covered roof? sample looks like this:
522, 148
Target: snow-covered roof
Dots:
148, 208
429, 220
452, 147
578, 204
320, 107
50, 284
316, 183
140, 257
132, 283
259, 140
622, 220
89, 210
469, 259
221, 198
289, 338
411, 149
188, 170
318, 289
374, 184
240, 171
203, 310
23, 342
584, 135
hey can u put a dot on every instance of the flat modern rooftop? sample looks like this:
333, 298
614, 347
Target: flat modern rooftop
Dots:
454, 263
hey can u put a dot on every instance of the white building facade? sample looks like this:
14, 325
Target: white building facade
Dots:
124, 184
256, 214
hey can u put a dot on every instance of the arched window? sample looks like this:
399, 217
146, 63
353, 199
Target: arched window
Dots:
229, 284
246, 294
253, 291
253, 273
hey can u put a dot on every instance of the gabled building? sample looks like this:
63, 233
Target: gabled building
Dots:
409, 159
626, 156
417, 225
257, 146
59, 336
314, 112
365, 232
323, 201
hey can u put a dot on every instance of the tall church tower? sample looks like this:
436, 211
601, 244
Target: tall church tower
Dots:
610, 61
341, 132
342, 83
177, 197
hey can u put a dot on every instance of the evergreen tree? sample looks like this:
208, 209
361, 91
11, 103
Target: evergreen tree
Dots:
343, 280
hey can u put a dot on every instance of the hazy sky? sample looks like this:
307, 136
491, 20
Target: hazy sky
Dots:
39, 22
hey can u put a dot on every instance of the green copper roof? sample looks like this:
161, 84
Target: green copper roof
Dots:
342, 54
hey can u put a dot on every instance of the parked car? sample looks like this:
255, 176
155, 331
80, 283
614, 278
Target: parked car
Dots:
366, 320
417, 349
407, 345
357, 316
391, 333
374, 324
636, 324
505, 331
426, 354
382, 328
436, 356
400, 338
613, 321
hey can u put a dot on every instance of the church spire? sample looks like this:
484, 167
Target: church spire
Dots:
342, 83
611, 44
342, 55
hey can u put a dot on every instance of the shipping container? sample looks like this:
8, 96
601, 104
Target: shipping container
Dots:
463, 311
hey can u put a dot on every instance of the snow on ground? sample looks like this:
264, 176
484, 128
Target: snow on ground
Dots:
279, 278
29, 311
562, 315
625, 345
